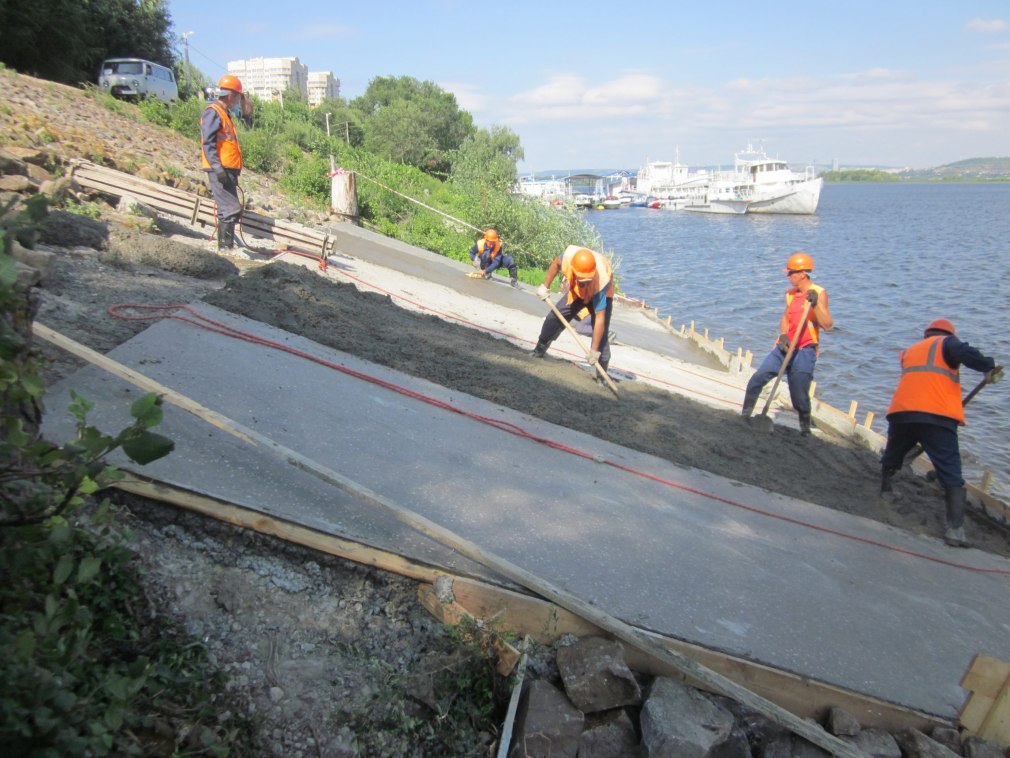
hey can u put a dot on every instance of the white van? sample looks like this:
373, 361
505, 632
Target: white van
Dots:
136, 78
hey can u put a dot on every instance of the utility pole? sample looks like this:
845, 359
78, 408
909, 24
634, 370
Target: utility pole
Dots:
328, 124
189, 71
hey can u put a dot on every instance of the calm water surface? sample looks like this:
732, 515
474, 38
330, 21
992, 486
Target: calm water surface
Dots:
892, 257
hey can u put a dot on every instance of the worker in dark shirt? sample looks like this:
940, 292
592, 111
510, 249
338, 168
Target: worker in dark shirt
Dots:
926, 409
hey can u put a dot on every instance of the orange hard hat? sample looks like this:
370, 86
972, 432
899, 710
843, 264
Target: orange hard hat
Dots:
491, 235
583, 264
799, 262
230, 81
940, 325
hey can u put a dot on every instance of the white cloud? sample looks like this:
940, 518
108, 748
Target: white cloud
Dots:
987, 26
468, 97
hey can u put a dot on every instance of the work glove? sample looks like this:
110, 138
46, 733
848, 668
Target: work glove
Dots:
594, 357
783, 343
543, 293
222, 176
475, 261
812, 298
488, 274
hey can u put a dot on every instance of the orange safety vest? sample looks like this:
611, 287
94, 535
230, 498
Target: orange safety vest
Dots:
603, 279
227, 140
927, 383
794, 309
495, 248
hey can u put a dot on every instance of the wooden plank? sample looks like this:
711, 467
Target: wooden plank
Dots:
635, 637
183, 203
986, 711
285, 530
452, 613
545, 622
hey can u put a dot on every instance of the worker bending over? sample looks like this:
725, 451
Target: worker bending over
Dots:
927, 409
591, 286
487, 255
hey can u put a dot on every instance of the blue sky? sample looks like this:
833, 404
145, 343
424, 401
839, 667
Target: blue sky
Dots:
614, 84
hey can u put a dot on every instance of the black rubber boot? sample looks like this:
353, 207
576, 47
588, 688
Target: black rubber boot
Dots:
955, 498
886, 486
749, 401
514, 273
540, 350
225, 235
804, 424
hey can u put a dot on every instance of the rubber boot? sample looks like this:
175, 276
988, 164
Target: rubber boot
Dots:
886, 486
514, 273
225, 232
955, 499
749, 401
804, 424
540, 350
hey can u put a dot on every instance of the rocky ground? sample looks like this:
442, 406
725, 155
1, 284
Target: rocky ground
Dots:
333, 657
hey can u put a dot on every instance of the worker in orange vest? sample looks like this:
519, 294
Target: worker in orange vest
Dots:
222, 159
800, 371
926, 409
487, 255
590, 286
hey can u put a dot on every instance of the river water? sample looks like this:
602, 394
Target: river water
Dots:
892, 256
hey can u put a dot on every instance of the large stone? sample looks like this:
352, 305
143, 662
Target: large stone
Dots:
547, 724
877, 743
841, 723
680, 722
976, 747
596, 676
609, 735
915, 744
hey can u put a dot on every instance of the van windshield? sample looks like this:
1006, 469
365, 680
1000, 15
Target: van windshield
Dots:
124, 67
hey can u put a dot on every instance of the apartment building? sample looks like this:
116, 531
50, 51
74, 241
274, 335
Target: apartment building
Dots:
322, 85
270, 78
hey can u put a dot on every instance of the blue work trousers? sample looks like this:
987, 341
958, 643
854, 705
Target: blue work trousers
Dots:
799, 372
939, 443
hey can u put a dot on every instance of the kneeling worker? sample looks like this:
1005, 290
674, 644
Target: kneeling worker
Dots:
926, 408
487, 255
590, 285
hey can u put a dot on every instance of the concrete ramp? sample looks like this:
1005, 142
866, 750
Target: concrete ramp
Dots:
678, 551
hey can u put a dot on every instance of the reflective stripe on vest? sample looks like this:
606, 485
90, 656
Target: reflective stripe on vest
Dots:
603, 278
927, 383
228, 150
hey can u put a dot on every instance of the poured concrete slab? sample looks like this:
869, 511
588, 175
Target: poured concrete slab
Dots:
679, 551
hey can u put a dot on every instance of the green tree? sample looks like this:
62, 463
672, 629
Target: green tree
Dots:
66, 40
345, 121
487, 158
437, 127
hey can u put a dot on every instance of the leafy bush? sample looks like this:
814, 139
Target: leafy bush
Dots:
155, 111
87, 668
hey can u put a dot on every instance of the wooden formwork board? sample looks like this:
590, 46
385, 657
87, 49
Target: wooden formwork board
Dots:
986, 712
196, 208
545, 622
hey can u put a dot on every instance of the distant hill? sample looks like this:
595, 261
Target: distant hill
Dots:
976, 169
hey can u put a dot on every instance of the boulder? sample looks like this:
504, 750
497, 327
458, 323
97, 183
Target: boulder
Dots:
596, 676
547, 724
681, 722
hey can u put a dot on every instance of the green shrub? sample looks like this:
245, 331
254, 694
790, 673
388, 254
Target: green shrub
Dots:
87, 669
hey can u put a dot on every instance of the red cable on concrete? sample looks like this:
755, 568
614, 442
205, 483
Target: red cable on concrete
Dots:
204, 322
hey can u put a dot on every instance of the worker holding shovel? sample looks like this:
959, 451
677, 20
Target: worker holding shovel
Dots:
927, 409
795, 352
591, 286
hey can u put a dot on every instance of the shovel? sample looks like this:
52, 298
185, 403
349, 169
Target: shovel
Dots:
600, 370
995, 376
761, 421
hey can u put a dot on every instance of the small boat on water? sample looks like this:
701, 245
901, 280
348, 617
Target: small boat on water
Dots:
757, 184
